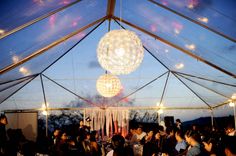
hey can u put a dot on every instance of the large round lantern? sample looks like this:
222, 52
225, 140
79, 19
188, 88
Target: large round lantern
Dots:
108, 85
120, 51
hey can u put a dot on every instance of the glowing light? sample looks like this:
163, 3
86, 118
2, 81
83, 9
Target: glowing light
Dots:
160, 111
24, 71
177, 31
2, 31
203, 19
108, 85
191, 4
44, 108
177, 27
159, 104
15, 59
190, 46
233, 96
179, 66
231, 104
166, 50
120, 52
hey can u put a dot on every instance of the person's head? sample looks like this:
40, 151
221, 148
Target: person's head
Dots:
158, 135
64, 136
81, 123
229, 129
139, 130
192, 137
150, 134
57, 132
132, 131
118, 141
3, 119
209, 144
229, 143
178, 121
194, 127
179, 136
94, 136
170, 131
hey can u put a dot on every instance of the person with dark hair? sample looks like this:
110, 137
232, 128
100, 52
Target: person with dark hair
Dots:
178, 124
230, 131
149, 146
181, 145
119, 149
193, 139
169, 142
210, 146
3, 136
229, 143
95, 149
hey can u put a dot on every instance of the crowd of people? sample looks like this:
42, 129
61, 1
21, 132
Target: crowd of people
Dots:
141, 141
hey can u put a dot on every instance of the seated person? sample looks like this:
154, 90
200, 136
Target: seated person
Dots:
119, 148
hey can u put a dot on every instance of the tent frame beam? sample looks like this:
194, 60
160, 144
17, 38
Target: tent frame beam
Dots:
192, 91
80, 97
51, 45
193, 21
164, 89
20, 81
37, 19
73, 46
36, 75
128, 108
176, 47
206, 79
110, 8
204, 86
140, 88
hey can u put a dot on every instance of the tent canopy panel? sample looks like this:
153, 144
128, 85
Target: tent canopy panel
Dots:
39, 63
217, 14
14, 13
49, 30
177, 30
30, 96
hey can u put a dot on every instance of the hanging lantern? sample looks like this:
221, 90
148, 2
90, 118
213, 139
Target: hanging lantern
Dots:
120, 52
108, 85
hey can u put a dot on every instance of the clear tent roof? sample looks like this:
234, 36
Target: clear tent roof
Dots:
49, 48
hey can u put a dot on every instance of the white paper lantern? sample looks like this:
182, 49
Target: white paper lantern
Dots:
108, 85
120, 52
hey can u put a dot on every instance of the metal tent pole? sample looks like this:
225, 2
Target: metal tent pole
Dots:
234, 115
46, 105
212, 119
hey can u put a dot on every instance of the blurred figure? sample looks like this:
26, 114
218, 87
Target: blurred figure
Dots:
3, 136
178, 124
230, 131
181, 145
149, 146
119, 148
193, 139
56, 136
229, 143
95, 149
210, 146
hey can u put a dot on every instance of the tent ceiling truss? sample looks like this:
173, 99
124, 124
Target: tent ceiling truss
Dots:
110, 16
